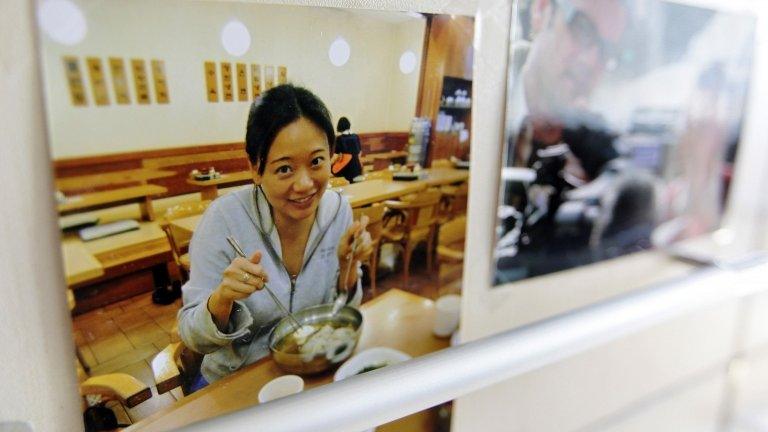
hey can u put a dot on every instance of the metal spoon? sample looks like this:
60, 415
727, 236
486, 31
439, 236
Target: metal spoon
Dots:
277, 301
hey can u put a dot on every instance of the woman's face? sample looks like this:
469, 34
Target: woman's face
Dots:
297, 170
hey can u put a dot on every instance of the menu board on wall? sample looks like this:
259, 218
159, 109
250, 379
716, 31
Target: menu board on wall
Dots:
242, 83
269, 77
282, 75
75, 81
140, 81
161, 86
212, 89
119, 81
226, 81
256, 80
98, 84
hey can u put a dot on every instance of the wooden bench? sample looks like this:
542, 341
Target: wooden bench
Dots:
233, 164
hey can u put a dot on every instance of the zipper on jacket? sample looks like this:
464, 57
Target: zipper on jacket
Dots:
293, 290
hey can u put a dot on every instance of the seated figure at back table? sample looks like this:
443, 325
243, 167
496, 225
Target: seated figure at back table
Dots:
348, 150
297, 233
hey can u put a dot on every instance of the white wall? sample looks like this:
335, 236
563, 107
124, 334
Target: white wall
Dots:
369, 89
591, 391
38, 357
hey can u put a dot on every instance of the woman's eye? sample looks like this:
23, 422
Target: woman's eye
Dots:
284, 169
318, 160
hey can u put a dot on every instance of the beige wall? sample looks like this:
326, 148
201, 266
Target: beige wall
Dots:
369, 89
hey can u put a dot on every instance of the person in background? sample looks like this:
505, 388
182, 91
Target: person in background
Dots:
299, 237
348, 150
550, 129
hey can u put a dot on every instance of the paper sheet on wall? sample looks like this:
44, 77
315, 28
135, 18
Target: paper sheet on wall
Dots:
161, 85
256, 80
98, 84
269, 77
211, 82
226, 81
140, 81
75, 81
119, 81
242, 83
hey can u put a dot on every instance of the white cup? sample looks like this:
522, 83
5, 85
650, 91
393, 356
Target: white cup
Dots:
446, 315
285, 385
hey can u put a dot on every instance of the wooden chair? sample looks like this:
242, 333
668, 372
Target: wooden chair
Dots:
416, 221
175, 366
337, 181
450, 244
180, 241
453, 202
384, 174
375, 227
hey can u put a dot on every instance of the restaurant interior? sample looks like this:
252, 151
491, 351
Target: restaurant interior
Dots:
146, 114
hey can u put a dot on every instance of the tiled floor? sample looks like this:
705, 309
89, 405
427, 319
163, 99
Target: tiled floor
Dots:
125, 336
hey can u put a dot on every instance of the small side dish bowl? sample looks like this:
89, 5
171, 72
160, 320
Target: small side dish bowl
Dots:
368, 360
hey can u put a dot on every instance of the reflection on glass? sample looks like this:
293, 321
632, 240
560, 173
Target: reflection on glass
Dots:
622, 124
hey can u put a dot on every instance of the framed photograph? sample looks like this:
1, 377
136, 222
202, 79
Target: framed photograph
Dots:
622, 128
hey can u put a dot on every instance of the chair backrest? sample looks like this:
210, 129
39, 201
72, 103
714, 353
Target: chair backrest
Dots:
337, 181
375, 215
384, 174
452, 232
423, 209
179, 241
459, 202
442, 163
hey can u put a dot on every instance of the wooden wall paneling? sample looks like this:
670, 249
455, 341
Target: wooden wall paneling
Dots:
211, 82
119, 80
449, 52
225, 157
75, 80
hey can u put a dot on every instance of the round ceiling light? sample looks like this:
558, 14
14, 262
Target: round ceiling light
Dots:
235, 38
339, 52
408, 62
62, 21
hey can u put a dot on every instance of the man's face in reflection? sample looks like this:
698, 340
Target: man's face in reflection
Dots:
573, 44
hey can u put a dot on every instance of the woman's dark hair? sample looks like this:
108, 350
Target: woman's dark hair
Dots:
277, 108
343, 125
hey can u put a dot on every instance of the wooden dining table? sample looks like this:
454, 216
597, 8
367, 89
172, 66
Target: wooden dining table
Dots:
444, 176
79, 263
395, 319
209, 189
141, 194
111, 178
373, 191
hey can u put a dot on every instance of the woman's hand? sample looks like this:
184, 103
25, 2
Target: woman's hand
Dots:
355, 245
239, 280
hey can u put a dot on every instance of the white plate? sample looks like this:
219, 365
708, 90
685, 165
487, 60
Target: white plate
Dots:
369, 357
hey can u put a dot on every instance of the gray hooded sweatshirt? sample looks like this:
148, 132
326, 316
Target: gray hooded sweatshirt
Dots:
245, 214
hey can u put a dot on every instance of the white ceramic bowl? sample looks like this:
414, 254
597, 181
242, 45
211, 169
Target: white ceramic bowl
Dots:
370, 357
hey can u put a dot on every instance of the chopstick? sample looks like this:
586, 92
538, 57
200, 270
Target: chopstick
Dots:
277, 301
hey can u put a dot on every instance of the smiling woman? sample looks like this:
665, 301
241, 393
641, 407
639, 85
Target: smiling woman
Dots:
296, 233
